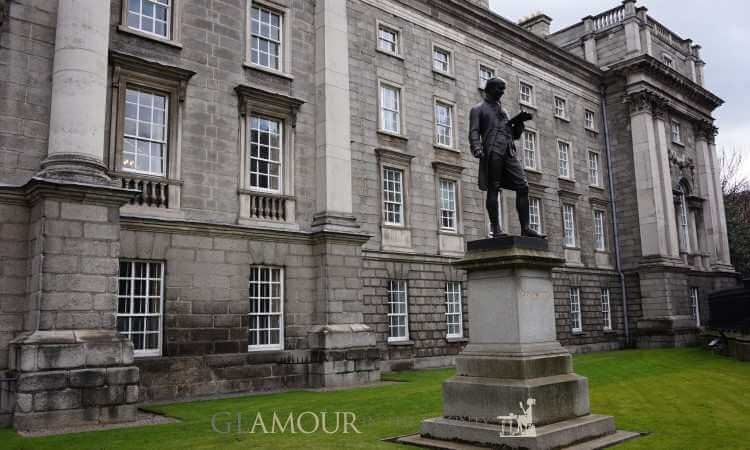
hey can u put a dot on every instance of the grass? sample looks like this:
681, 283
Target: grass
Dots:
686, 399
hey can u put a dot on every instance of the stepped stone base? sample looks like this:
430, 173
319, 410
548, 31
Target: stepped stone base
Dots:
73, 377
556, 435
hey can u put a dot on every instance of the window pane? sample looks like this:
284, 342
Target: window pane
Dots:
136, 313
266, 315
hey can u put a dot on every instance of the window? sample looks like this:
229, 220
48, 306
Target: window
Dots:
447, 204
139, 305
526, 93
393, 196
453, 314
668, 61
599, 243
676, 132
266, 318
529, 149
443, 124
390, 108
563, 150
589, 120
144, 148
150, 16
485, 74
694, 308
576, 325
561, 108
265, 153
398, 315
569, 225
606, 313
389, 39
266, 32
682, 220
147, 101
594, 168
441, 60
535, 214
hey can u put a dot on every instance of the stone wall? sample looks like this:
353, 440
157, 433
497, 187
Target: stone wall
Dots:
27, 45
14, 231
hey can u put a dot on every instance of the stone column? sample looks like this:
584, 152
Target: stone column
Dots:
79, 83
722, 243
344, 347
655, 205
664, 183
513, 355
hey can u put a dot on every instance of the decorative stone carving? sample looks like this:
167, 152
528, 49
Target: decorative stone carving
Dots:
646, 100
705, 130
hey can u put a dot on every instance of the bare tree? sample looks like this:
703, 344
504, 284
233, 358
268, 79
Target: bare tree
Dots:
732, 181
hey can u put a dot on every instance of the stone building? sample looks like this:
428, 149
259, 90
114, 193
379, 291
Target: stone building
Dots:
214, 196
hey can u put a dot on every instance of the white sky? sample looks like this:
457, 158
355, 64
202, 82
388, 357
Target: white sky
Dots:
720, 27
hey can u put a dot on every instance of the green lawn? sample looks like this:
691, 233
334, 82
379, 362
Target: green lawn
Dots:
686, 399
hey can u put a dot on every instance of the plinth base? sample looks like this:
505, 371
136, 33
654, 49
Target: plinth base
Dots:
556, 435
558, 397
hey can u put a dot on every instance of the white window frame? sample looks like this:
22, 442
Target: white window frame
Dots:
397, 287
668, 60
595, 168
695, 305
532, 94
451, 213
281, 152
439, 48
589, 120
606, 309
600, 243
402, 174
676, 131
270, 298
439, 102
398, 36
164, 142
535, 214
131, 296
489, 69
576, 319
564, 165
173, 24
533, 150
285, 66
569, 225
564, 114
382, 85
454, 309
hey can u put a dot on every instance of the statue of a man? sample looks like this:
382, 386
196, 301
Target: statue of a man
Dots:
491, 136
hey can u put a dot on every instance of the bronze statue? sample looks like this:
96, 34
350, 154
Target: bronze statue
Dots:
491, 136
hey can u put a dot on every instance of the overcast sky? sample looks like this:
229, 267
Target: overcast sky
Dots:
720, 27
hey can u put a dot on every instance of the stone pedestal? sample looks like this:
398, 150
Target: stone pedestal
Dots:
71, 378
513, 354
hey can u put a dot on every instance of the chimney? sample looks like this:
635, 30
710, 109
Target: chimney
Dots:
538, 24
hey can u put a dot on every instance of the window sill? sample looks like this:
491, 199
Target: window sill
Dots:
391, 54
278, 73
527, 105
564, 119
392, 134
454, 340
446, 147
445, 74
169, 42
532, 170
567, 247
577, 333
401, 343
601, 250
264, 349
568, 179
394, 226
679, 144
593, 130
597, 187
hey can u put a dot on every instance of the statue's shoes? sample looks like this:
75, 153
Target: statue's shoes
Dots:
532, 233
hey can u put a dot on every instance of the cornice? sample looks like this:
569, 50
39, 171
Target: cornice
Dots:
393, 155
142, 66
265, 99
673, 79
444, 167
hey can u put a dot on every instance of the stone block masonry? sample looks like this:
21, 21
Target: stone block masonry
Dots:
69, 378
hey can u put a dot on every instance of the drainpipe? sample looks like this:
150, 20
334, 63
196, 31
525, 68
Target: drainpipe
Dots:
615, 234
